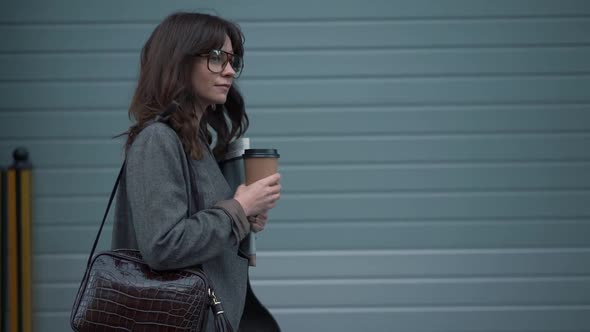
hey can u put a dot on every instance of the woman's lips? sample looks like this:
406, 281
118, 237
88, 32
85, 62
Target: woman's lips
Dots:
224, 87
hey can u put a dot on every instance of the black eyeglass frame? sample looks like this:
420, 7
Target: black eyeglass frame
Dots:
230, 57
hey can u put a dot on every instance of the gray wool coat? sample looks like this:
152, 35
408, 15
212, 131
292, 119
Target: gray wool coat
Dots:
151, 216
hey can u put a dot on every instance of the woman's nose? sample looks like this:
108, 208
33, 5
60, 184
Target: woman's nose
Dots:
229, 70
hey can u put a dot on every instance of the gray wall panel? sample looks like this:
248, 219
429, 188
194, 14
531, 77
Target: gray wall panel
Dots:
318, 63
343, 264
504, 319
347, 207
321, 92
344, 149
500, 319
360, 120
361, 178
314, 34
385, 293
363, 235
137, 10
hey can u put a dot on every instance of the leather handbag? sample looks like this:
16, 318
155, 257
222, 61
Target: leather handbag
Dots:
119, 291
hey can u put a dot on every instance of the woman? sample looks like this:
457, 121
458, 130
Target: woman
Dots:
189, 64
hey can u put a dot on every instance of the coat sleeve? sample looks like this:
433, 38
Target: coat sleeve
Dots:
156, 175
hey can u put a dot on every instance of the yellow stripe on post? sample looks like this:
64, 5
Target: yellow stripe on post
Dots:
12, 241
25, 249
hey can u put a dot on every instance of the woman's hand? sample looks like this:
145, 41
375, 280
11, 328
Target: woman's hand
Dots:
258, 222
259, 197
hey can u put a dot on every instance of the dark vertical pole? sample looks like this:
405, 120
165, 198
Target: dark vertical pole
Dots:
23, 169
12, 247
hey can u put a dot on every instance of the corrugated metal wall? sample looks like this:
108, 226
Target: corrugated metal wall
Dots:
435, 153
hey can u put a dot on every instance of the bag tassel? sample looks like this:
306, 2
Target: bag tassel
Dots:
220, 321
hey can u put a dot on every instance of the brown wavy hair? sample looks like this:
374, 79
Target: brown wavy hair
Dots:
166, 63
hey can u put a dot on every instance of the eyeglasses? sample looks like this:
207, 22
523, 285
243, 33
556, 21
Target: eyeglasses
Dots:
217, 60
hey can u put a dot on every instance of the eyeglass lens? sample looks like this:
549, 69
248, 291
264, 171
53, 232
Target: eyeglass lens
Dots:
219, 59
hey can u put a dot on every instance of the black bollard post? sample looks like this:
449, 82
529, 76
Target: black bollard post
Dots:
19, 198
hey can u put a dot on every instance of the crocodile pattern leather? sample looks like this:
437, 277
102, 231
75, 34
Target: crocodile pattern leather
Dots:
120, 292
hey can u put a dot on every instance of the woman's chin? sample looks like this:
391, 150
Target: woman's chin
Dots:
218, 98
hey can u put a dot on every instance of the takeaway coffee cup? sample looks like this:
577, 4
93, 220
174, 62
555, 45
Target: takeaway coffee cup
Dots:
260, 163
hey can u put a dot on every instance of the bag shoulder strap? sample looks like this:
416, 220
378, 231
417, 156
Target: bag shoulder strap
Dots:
194, 190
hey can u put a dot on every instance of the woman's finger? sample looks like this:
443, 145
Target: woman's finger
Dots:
274, 189
257, 228
270, 180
